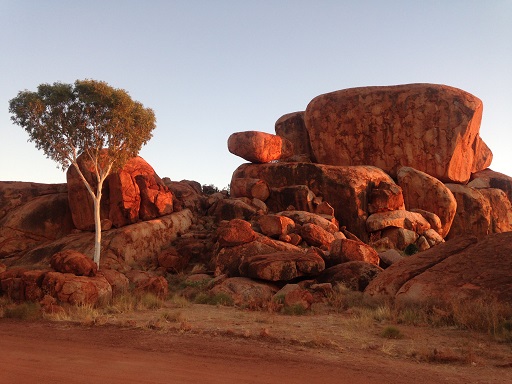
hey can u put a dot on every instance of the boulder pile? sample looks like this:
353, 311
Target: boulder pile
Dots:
344, 193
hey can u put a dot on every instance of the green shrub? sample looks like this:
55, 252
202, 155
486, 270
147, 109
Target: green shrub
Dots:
391, 332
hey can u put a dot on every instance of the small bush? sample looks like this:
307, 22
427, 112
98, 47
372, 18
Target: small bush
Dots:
391, 332
24, 311
294, 310
213, 299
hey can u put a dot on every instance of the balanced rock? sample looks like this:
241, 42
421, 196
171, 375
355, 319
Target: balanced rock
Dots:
433, 128
422, 191
259, 147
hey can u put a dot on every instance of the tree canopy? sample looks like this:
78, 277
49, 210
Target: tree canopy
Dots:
89, 116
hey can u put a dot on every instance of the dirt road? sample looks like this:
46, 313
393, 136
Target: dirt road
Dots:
46, 352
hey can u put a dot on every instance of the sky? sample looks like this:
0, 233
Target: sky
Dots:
214, 67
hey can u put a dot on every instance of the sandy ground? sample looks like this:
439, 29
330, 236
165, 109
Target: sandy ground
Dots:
226, 345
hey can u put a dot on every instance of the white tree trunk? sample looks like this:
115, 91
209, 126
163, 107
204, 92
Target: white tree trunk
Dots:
97, 227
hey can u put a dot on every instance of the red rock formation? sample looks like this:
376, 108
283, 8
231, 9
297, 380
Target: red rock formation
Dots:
344, 250
259, 147
346, 189
355, 275
422, 191
70, 261
292, 127
246, 292
235, 232
133, 193
433, 128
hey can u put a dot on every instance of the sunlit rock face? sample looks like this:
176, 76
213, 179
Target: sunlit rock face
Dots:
131, 194
432, 128
259, 147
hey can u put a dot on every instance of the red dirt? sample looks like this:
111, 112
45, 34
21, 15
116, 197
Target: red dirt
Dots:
61, 352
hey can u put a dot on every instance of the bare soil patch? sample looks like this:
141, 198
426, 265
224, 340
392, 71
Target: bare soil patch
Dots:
194, 343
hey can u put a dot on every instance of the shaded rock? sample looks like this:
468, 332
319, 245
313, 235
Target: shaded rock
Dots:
389, 257
480, 271
235, 232
281, 266
386, 197
355, 275
39, 220
393, 278
229, 209
172, 260
433, 237
303, 218
411, 125
401, 219
400, 237
346, 189
422, 191
71, 261
473, 212
77, 290
432, 218
292, 127
300, 197
147, 282
345, 250
259, 147
251, 188
292, 295
227, 260
246, 292
187, 195
501, 209
119, 282
488, 178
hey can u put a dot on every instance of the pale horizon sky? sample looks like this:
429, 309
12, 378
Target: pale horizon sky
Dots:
212, 68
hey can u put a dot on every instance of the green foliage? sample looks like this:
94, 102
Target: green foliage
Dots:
210, 189
391, 332
65, 120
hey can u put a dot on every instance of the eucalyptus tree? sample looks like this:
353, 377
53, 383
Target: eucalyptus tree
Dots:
88, 117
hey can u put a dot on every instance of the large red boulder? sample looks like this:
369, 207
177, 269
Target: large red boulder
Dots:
460, 269
292, 127
433, 128
71, 261
259, 147
131, 194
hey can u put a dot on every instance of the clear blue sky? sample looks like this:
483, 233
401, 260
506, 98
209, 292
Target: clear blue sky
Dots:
210, 68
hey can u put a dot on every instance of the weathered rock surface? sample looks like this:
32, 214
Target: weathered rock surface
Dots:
282, 266
76, 290
501, 209
293, 295
491, 179
346, 189
355, 275
246, 292
345, 250
422, 191
433, 128
134, 193
275, 225
473, 214
187, 195
259, 147
251, 188
235, 232
292, 127
393, 278
401, 219
71, 261
35, 216
460, 269
386, 197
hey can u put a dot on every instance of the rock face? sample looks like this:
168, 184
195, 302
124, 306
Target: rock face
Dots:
490, 179
460, 269
292, 127
432, 128
355, 275
422, 191
74, 262
346, 189
259, 147
134, 193
34, 215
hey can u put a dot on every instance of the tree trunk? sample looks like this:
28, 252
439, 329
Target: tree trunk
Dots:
97, 226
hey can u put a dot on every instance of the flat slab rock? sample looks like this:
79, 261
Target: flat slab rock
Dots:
282, 266
460, 269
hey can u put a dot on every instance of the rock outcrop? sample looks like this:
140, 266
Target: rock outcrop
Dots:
134, 193
259, 147
432, 128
